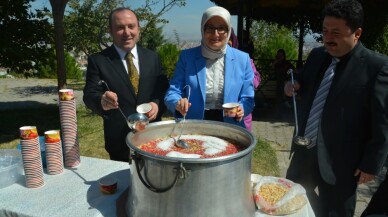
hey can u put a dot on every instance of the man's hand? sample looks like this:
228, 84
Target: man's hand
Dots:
109, 101
364, 177
289, 88
154, 111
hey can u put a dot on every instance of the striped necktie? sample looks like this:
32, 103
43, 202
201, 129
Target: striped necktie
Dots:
132, 72
314, 119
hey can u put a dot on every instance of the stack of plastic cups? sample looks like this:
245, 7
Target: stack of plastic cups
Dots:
68, 116
32, 159
54, 156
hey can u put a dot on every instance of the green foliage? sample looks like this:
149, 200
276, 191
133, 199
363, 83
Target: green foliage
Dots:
381, 44
86, 25
268, 38
169, 54
48, 67
153, 39
23, 36
376, 18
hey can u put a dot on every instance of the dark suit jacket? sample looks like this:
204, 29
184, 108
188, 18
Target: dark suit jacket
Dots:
354, 123
108, 66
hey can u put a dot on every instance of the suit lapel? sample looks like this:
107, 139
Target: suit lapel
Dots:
229, 76
343, 80
118, 67
200, 64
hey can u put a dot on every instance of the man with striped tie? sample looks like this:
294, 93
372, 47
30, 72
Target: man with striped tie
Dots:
343, 112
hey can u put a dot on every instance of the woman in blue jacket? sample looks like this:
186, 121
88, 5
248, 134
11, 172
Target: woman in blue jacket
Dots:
215, 72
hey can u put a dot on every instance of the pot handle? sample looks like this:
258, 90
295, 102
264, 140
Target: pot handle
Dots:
180, 173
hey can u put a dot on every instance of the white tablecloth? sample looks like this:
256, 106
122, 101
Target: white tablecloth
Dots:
75, 192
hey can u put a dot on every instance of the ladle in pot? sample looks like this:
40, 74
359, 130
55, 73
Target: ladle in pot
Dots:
135, 121
299, 140
179, 142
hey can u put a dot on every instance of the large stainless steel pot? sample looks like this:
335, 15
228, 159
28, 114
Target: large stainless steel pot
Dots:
213, 187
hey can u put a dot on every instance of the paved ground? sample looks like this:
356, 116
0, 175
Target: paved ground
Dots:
274, 124
19, 93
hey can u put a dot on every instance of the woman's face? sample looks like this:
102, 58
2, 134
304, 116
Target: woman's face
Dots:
216, 33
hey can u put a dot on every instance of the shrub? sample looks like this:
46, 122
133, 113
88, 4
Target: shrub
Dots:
48, 67
169, 54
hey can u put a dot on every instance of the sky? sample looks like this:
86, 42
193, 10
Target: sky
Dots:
184, 20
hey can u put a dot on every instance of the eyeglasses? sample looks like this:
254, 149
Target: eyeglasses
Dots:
220, 29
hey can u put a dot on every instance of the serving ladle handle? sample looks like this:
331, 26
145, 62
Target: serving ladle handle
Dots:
135, 121
299, 140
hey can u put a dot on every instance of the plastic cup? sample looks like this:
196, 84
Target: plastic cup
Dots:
230, 109
108, 185
28, 132
52, 136
144, 108
66, 94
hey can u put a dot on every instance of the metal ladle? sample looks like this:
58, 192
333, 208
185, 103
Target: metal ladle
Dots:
179, 142
299, 140
135, 121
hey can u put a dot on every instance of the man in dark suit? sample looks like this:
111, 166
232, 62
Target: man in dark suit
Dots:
111, 66
349, 135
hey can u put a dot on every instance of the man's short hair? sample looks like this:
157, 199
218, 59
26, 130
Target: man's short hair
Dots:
349, 10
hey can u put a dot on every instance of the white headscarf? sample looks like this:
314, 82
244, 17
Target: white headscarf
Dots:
207, 15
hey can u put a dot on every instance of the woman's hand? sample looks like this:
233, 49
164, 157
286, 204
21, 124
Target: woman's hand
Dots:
239, 113
182, 106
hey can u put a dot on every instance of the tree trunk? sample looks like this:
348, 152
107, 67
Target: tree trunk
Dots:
299, 64
58, 10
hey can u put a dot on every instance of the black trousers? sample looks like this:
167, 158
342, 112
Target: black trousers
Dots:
329, 200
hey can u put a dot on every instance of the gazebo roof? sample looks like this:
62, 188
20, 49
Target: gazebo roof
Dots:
265, 9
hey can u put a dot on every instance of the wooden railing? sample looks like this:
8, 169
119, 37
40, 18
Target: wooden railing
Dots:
267, 88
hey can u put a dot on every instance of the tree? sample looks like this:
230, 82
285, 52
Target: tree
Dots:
268, 38
48, 67
375, 30
153, 39
58, 11
87, 23
381, 44
23, 36
169, 54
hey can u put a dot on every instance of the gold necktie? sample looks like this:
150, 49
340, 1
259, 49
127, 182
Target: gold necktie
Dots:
132, 72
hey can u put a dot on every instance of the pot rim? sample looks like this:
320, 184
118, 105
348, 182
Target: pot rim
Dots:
155, 125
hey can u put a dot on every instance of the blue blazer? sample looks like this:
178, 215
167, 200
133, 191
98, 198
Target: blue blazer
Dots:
191, 70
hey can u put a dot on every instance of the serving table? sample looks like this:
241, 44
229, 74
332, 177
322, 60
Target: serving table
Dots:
75, 192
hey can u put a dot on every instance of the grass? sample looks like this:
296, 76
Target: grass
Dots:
90, 134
